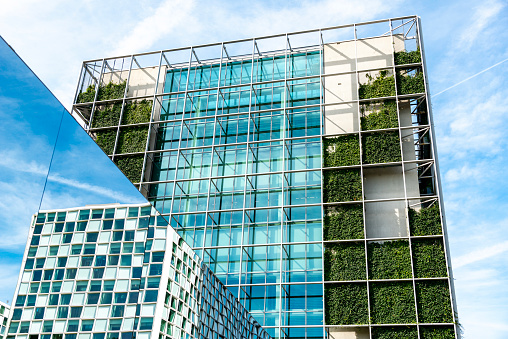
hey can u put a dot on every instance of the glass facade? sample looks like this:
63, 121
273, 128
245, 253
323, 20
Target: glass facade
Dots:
117, 271
300, 167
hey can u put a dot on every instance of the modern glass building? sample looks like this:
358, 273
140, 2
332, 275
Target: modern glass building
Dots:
118, 271
4, 316
300, 167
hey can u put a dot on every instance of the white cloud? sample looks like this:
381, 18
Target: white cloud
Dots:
480, 254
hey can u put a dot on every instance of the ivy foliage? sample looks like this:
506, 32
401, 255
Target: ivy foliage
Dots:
106, 140
381, 115
381, 147
86, 96
131, 166
392, 303
346, 304
343, 150
429, 258
132, 139
389, 260
399, 332
111, 91
433, 301
381, 86
342, 185
425, 222
108, 115
344, 261
409, 84
137, 112
437, 332
343, 222
404, 57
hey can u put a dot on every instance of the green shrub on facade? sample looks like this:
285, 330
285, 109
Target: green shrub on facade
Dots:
409, 84
404, 57
342, 185
343, 222
392, 303
429, 258
111, 91
383, 115
402, 332
86, 96
437, 332
346, 304
382, 86
106, 140
131, 166
344, 261
137, 112
343, 150
433, 301
426, 221
389, 260
107, 116
381, 147
132, 139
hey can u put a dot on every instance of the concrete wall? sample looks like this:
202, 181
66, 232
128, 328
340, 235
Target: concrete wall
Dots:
141, 82
348, 333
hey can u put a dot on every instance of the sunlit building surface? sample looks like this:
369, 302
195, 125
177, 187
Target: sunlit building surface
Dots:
119, 272
300, 167
4, 316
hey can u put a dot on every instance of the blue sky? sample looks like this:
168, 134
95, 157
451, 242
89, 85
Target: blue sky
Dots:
462, 38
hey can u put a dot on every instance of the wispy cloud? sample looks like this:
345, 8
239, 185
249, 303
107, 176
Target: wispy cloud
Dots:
480, 254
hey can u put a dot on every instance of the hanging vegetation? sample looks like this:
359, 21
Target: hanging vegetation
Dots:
108, 115
426, 221
343, 150
381, 86
346, 304
137, 112
86, 96
410, 83
106, 140
379, 115
132, 139
343, 222
404, 57
342, 185
433, 301
437, 332
429, 258
399, 332
111, 91
344, 261
131, 166
389, 260
381, 147
392, 303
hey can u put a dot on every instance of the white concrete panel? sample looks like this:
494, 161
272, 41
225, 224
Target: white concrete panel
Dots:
385, 219
141, 82
339, 57
375, 52
383, 182
341, 119
348, 333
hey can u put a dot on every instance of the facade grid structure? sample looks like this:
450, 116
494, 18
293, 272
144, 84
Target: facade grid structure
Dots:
4, 316
301, 167
119, 271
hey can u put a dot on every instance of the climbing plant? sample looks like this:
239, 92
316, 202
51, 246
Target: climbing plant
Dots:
343, 150
132, 139
346, 304
389, 260
399, 332
392, 303
342, 185
379, 115
437, 332
137, 112
404, 57
111, 91
409, 84
86, 96
433, 301
429, 258
343, 222
383, 85
106, 140
381, 147
108, 115
344, 261
131, 166
426, 221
